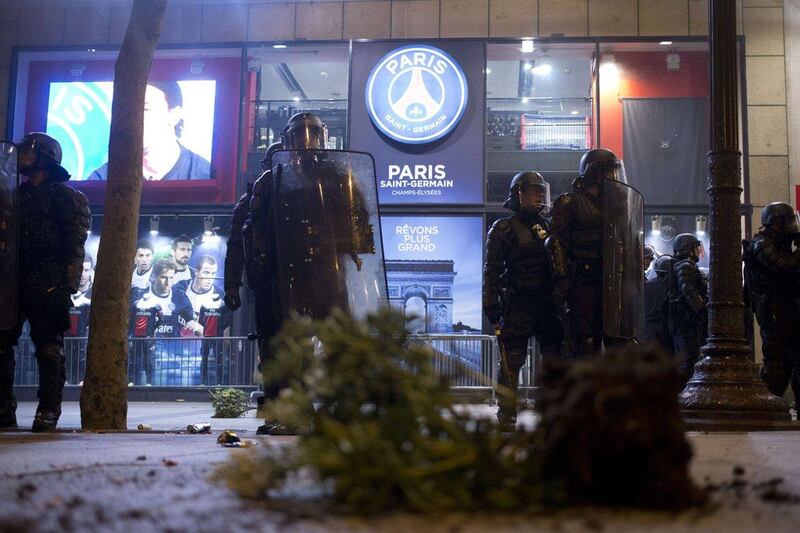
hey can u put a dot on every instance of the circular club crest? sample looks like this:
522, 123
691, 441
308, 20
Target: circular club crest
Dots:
416, 94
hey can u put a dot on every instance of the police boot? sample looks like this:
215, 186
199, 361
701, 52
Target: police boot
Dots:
51, 387
511, 360
8, 402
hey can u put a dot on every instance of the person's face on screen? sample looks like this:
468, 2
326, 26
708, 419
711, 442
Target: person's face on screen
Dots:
163, 282
86, 274
182, 253
205, 276
143, 260
159, 119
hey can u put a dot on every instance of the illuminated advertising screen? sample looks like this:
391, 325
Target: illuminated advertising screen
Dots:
191, 121
178, 128
418, 109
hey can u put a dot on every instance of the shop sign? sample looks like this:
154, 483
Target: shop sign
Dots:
416, 94
419, 110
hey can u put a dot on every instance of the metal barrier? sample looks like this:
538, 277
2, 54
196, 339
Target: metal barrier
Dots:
470, 362
164, 362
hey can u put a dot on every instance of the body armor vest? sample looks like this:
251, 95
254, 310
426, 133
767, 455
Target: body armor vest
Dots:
587, 231
39, 237
527, 269
763, 281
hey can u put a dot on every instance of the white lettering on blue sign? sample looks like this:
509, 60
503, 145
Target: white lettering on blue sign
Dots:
416, 94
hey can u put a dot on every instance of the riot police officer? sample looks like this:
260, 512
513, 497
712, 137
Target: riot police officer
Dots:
655, 301
585, 285
53, 221
517, 286
688, 296
772, 279
248, 250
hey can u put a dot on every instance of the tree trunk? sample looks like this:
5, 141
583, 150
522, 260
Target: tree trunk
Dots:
104, 402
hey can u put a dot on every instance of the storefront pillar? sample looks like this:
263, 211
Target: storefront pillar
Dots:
726, 392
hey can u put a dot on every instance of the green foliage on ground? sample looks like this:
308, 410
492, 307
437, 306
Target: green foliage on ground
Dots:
383, 433
228, 403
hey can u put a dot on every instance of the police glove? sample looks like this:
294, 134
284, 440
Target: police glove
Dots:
232, 299
59, 302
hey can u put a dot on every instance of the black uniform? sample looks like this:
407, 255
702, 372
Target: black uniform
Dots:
687, 320
655, 300
577, 260
773, 282
54, 220
517, 292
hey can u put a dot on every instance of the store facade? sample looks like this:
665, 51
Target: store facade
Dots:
449, 121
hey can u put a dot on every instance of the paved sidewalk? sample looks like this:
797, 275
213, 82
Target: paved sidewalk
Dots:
160, 482
161, 416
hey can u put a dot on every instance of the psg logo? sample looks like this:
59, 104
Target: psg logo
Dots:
416, 94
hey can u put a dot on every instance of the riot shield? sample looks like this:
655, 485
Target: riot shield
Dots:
328, 236
9, 181
623, 269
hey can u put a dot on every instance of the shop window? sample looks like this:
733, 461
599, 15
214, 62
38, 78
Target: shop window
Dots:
539, 112
654, 115
280, 82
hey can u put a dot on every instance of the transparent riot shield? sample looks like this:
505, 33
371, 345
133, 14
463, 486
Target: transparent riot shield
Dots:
623, 268
9, 181
328, 237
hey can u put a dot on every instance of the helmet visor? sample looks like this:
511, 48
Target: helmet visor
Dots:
305, 137
534, 196
792, 224
617, 172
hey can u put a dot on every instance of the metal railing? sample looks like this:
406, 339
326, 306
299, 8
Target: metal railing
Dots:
164, 362
470, 362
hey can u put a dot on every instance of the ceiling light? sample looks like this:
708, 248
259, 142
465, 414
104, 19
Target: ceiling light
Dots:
527, 66
542, 70
573, 112
527, 46
525, 100
700, 225
154, 225
296, 98
608, 66
655, 225
665, 43
488, 71
279, 46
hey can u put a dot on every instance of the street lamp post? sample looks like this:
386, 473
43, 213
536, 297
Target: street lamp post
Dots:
725, 391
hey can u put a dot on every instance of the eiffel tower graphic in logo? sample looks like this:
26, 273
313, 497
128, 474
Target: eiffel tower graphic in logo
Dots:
416, 104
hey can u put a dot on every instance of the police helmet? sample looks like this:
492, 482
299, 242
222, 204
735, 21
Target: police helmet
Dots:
304, 131
522, 181
48, 153
598, 165
783, 216
685, 243
662, 264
